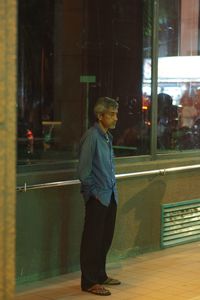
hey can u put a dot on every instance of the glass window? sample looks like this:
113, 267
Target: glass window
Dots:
69, 54
178, 75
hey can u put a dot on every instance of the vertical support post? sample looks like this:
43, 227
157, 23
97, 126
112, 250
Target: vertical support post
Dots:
87, 79
87, 106
8, 12
154, 82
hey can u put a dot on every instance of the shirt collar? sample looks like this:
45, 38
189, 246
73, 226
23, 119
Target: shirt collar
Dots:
96, 125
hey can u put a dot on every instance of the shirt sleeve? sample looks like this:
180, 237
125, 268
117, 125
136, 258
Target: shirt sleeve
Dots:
86, 156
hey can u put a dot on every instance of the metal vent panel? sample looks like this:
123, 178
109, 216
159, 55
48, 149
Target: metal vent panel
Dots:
180, 223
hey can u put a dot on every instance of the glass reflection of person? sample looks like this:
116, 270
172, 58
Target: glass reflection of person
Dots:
188, 111
167, 115
197, 101
98, 186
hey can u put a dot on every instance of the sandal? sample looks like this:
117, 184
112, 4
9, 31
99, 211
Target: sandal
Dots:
98, 289
111, 281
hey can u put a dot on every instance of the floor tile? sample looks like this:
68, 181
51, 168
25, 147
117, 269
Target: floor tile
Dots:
169, 274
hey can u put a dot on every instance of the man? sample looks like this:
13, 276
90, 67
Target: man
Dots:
98, 186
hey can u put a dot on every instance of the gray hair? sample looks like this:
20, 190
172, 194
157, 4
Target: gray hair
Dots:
103, 104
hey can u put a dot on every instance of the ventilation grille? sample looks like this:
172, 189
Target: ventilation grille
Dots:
180, 223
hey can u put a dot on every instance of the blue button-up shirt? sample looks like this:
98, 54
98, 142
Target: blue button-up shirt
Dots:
96, 169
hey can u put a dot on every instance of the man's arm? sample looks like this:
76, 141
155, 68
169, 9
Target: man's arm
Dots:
86, 156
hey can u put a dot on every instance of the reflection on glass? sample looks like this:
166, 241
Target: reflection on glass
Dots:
178, 75
70, 53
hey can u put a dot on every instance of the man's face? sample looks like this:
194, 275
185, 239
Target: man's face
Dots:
109, 118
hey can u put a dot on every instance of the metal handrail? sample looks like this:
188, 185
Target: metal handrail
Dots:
26, 187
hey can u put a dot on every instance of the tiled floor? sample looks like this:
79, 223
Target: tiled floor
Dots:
170, 274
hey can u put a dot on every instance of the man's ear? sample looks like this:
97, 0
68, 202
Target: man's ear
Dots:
99, 117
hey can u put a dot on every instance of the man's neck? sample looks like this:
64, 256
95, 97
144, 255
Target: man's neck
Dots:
102, 127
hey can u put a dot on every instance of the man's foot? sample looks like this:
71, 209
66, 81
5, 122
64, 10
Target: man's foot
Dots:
98, 289
111, 281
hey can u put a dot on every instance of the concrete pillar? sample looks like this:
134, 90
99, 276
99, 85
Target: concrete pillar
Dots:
189, 27
7, 147
68, 106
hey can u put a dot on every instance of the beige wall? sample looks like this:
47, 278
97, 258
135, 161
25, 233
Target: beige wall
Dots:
7, 147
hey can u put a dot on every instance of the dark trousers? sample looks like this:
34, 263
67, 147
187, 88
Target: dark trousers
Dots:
96, 240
